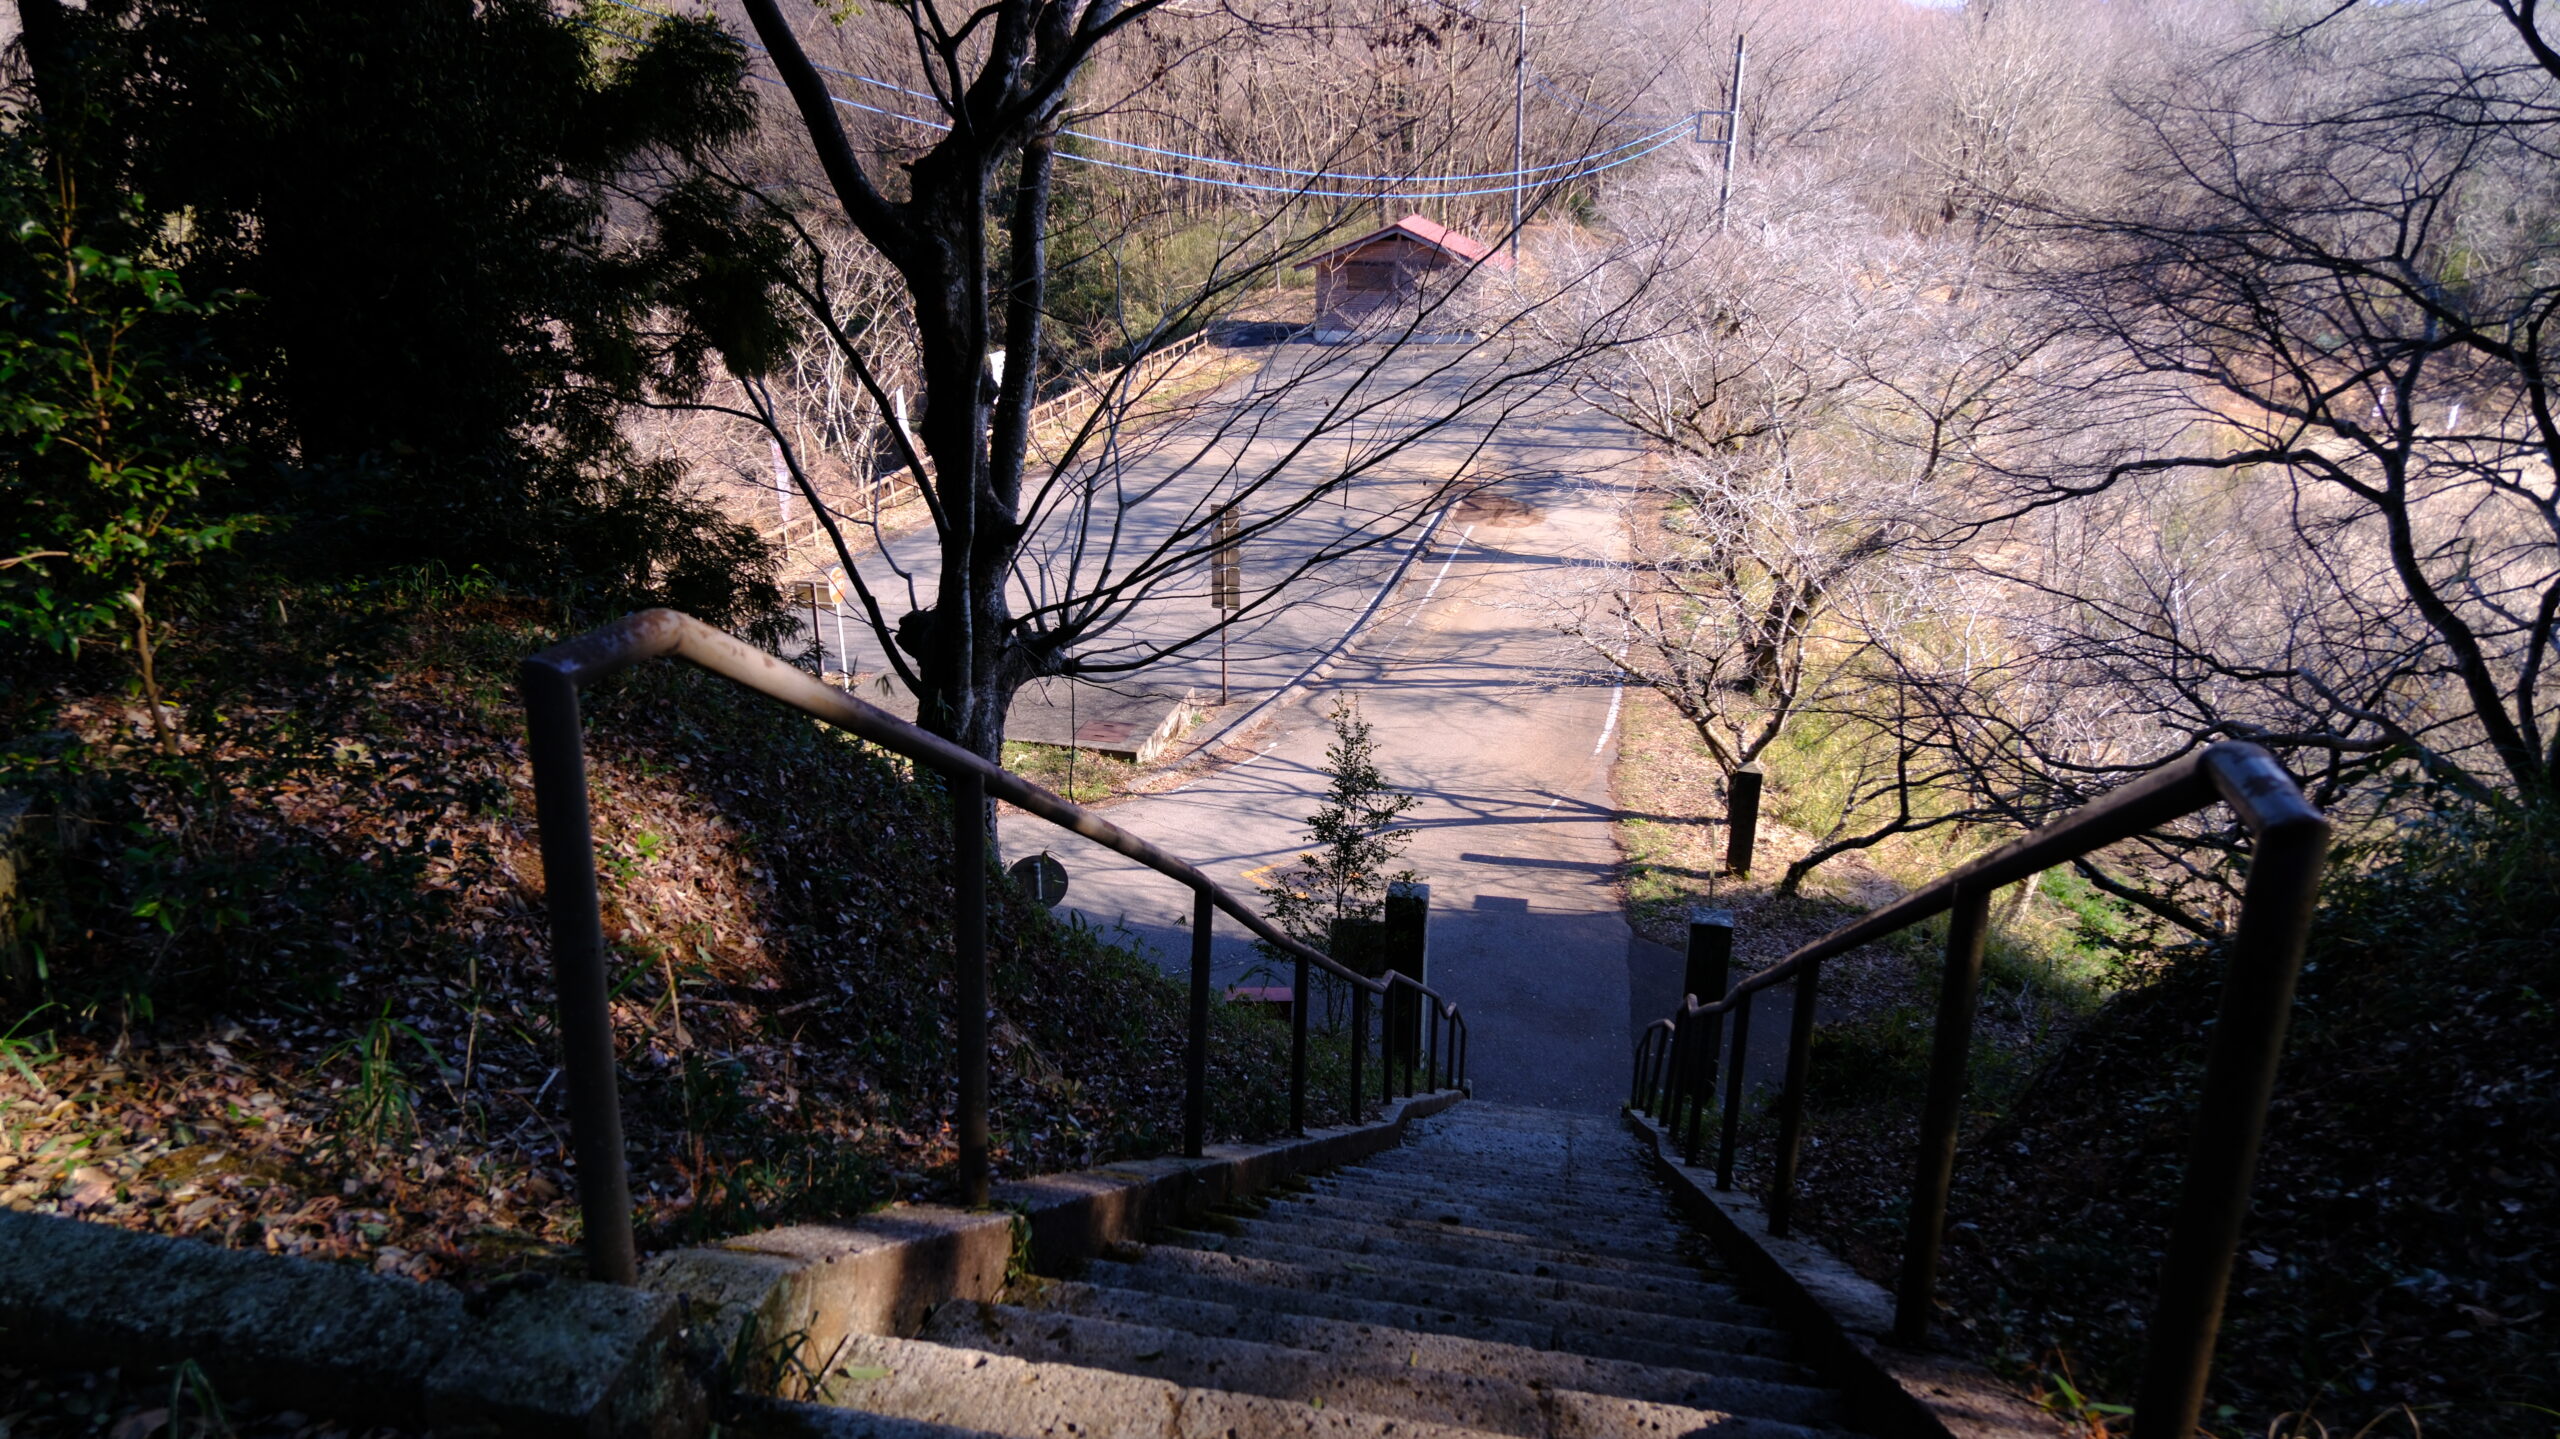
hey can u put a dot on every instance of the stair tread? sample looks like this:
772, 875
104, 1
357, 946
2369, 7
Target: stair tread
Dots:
1262, 1281
1512, 1191
1456, 1219
1545, 1223
1665, 1382
1384, 1376
972, 1389
1456, 1239
1564, 1281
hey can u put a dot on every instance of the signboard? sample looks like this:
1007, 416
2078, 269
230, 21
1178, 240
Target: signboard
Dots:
1041, 877
1226, 564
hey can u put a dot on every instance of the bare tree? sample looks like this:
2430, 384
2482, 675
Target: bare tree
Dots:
1050, 559
2297, 480
1816, 390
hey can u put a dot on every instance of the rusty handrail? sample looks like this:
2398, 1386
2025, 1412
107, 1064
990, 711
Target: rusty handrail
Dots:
1674, 1058
550, 681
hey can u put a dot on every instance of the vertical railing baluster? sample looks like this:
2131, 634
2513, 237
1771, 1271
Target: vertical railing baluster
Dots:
1933, 1169
1298, 1047
1782, 1184
2231, 1113
1736, 1051
555, 741
1677, 1047
1386, 1046
1195, 1057
1412, 1036
1709, 960
969, 988
1359, 1049
1702, 1083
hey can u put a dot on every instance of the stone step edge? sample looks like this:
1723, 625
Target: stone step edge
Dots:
881, 1274
1083, 1299
1572, 1288
1841, 1320
1745, 1398
1461, 1239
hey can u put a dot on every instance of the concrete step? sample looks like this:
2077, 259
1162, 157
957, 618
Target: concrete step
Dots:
1647, 1293
1456, 1244
1651, 1247
1575, 1163
1562, 1225
1522, 1189
972, 1389
1698, 1342
1701, 1326
1648, 1206
1382, 1381
1690, 1382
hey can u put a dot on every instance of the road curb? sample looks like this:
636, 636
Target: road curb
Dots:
1323, 664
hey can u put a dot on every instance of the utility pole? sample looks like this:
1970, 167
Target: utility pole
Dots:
1520, 126
1732, 132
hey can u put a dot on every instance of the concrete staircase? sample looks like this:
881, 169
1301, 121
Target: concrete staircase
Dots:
1507, 1272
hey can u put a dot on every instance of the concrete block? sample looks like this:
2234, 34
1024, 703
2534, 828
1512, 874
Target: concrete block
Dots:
789, 1302
562, 1358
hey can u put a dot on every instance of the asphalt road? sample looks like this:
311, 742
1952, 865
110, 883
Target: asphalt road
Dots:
1403, 424
1507, 734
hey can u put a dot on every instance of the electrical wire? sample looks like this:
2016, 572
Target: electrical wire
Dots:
1539, 174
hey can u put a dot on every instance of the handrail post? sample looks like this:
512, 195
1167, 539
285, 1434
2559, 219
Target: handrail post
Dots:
1733, 1078
969, 991
556, 743
1431, 1065
1675, 1052
2231, 1116
1661, 1076
1933, 1170
1195, 1056
1413, 1007
1635, 1080
1702, 1085
1298, 1004
1710, 961
1386, 1054
1359, 1048
1782, 1185
1742, 818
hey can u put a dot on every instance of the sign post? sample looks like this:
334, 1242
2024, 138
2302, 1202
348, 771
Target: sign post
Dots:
1226, 582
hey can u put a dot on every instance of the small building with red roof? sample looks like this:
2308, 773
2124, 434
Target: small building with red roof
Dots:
1385, 267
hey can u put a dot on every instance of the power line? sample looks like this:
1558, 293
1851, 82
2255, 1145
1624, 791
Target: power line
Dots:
1581, 166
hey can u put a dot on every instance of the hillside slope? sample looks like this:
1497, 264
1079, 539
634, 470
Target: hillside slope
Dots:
289, 987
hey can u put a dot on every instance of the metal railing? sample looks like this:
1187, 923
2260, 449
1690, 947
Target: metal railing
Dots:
550, 682
1675, 1058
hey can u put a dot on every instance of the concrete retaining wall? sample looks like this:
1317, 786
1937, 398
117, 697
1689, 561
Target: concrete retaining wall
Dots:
567, 1357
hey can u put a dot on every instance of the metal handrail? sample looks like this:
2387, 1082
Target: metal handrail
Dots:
549, 683
1674, 1058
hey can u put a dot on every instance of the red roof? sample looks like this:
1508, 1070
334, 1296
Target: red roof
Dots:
1438, 237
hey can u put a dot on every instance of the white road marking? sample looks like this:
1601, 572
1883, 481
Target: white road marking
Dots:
1608, 727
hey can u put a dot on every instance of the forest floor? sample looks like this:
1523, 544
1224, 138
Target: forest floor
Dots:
289, 987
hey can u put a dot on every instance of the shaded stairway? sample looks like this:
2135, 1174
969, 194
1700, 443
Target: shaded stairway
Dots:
1507, 1272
